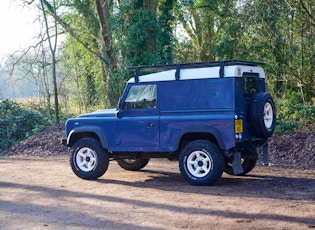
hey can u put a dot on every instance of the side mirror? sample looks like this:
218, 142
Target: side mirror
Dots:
117, 113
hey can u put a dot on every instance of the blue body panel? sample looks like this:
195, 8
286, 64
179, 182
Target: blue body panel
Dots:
221, 126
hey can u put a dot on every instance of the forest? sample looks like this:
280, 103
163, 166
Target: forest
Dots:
77, 63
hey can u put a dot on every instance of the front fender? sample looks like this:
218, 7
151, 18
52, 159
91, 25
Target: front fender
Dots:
86, 131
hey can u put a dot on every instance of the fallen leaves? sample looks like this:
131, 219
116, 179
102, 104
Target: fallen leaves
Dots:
48, 143
296, 149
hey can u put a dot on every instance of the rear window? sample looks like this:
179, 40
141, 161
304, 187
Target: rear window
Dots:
251, 84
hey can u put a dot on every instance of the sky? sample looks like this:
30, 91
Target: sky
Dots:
17, 26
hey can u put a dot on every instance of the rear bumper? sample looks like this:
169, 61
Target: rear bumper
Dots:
253, 143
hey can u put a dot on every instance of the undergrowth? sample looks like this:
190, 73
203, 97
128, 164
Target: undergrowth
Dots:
294, 117
20, 120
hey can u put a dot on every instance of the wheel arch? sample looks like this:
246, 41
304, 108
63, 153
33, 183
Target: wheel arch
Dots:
209, 134
87, 132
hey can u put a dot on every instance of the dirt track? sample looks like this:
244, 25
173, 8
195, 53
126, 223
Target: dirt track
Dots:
43, 193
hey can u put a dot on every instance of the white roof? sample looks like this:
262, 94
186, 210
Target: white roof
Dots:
201, 73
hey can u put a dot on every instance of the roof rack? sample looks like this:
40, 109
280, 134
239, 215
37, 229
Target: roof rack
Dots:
178, 67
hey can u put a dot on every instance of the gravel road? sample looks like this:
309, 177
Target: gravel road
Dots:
43, 193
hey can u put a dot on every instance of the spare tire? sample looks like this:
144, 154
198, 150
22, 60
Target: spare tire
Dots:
262, 115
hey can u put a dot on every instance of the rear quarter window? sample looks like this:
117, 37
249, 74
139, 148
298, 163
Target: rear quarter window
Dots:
216, 93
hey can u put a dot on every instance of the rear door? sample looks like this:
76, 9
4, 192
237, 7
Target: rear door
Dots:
245, 89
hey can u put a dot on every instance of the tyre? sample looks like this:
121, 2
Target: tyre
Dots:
201, 163
133, 164
88, 159
262, 115
247, 164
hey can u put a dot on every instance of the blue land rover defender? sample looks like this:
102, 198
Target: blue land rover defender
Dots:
211, 116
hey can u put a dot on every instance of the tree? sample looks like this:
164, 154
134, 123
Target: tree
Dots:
52, 41
52, 45
143, 37
166, 22
96, 22
280, 33
214, 28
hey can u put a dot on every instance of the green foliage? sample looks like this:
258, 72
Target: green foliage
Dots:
138, 32
45, 112
166, 21
117, 83
144, 37
17, 122
292, 117
85, 84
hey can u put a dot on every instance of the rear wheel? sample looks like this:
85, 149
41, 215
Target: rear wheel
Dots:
88, 159
201, 163
133, 164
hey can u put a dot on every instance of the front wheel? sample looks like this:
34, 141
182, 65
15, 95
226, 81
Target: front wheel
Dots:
133, 164
88, 159
201, 163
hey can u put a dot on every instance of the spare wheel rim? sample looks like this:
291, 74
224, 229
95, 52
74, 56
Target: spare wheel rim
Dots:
268, 115
86, 159
199, 164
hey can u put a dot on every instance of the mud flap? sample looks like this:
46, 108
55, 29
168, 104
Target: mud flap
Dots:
237, 164
265, 154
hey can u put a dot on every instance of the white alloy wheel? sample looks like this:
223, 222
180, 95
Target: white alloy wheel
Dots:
268, 115
199, 163
86, 159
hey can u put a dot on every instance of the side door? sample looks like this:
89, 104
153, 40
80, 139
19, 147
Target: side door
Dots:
138, 119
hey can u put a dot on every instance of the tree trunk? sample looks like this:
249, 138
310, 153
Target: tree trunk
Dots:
103, 10
52, 48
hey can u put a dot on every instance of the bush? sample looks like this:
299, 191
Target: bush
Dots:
17, 123
293, 117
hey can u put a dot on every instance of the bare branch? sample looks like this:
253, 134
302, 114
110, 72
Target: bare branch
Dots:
308, 12
71, 31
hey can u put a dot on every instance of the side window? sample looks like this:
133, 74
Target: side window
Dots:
141, 97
